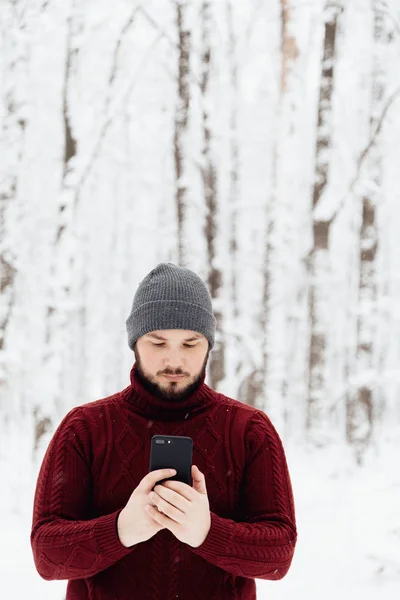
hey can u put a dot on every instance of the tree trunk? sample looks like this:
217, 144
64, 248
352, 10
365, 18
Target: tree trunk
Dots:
233, 201
12, 134
233, 197
318, 260
271, 381
59, 307
181, 126
209, 177
361, 398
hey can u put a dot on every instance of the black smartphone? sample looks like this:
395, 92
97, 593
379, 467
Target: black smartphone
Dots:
172, 452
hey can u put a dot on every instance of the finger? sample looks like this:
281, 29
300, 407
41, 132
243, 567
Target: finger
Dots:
199, 481
149, 481
156, 514
164, 513
181, 488
162, 520
163, 506
173, 498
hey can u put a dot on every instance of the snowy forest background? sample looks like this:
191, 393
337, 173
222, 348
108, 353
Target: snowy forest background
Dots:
257, 143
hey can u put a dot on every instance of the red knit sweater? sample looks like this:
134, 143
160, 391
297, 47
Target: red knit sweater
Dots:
99, 454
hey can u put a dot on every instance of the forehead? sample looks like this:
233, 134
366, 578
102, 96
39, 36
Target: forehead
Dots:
175, 334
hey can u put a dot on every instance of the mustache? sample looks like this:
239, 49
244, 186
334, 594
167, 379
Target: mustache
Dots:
173, 373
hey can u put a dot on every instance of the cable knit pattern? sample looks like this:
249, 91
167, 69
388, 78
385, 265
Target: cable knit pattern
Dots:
99, 454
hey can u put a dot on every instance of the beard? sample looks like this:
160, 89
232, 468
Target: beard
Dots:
170, 393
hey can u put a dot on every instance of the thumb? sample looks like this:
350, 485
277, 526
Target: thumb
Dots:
199, 481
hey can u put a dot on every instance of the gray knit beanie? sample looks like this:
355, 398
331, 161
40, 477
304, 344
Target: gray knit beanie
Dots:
171, 297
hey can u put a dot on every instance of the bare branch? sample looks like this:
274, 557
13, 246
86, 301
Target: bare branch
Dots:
173, 44
109, 119
386, 10
253, 20
123, 33
160, 30
365, 153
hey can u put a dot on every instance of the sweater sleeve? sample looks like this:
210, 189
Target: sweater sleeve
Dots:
66, 544
262, 544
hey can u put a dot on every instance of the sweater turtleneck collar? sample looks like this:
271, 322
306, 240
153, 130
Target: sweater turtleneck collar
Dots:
153, 407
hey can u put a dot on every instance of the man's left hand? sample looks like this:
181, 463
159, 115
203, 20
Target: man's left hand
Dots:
182, 509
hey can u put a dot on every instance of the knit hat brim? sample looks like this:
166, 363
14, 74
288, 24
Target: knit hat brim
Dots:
159, 314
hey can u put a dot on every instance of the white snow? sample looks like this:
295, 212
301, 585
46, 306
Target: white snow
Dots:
67, 347
348, 524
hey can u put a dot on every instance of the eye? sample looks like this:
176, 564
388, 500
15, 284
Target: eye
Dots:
186, 345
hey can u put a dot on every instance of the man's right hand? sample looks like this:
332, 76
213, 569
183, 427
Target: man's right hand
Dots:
134, 523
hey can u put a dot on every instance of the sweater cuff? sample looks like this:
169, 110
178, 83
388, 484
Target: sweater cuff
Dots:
218, 541
106, 535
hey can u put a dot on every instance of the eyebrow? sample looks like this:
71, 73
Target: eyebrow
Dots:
159, 337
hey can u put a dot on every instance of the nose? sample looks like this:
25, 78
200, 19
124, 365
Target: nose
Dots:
173, 360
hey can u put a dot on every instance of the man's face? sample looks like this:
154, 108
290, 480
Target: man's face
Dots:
171, 362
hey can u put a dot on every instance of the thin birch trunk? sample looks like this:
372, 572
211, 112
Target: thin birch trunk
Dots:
360, 409
271, 384
234, 163
318, 260
209, 177
234, 360
12, 134
59, 307
181, 126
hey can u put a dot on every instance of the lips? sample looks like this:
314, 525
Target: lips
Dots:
174, 376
